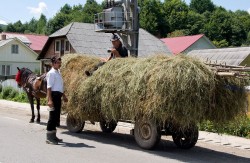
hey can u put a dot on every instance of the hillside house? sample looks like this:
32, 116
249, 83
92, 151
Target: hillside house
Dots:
14, 53
185, 44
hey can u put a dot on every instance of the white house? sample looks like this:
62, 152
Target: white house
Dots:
14, 53
185, 44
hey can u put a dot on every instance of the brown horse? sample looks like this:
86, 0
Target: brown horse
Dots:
34, 86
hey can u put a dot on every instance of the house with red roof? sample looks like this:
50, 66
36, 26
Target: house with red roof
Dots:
19, 50
34, 41
185, 44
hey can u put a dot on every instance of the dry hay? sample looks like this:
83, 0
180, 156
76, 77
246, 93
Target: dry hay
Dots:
180, 89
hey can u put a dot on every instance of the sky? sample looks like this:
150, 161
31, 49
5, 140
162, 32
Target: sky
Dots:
13, 10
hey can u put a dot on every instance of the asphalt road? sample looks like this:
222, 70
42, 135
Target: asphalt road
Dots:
22, 142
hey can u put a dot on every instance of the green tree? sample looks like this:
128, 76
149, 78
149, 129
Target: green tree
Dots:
66, 9
77, 12
200, 6
90, 8
32, 25
19, 27
61, 19
219, 26
58, 22
244, 18
195, 23
176, 12
41, 25
225, 25
238, 35
177, 33
248, 39
152, 18
10, 28
220, 44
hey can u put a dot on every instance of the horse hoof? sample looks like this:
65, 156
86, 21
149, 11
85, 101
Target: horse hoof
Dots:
32, 121
38, 121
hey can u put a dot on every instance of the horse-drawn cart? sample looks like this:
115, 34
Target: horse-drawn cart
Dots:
147, 132
160, 95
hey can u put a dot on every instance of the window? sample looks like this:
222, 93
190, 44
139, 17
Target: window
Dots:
57, 46
5, 70
14, 49
66, 46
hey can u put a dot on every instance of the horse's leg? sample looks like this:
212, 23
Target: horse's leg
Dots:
38, 110
31, 100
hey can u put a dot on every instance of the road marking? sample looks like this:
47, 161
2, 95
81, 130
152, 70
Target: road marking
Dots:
11, 118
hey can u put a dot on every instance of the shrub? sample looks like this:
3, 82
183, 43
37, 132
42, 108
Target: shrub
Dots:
239, 127
6, 92
1, 87
13, 94
21, 97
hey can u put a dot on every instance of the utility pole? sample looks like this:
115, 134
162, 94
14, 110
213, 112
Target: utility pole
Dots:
121, 17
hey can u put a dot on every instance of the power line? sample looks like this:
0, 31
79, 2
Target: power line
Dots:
5, 19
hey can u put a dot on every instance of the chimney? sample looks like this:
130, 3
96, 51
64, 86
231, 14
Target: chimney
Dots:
3, 36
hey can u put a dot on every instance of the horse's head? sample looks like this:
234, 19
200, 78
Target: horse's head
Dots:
20, 75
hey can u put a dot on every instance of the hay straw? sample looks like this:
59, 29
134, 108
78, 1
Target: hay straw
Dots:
178, 89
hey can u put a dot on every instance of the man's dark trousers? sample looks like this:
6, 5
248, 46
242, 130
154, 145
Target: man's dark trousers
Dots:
54, 116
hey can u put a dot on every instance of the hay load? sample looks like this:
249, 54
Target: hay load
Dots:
180, 89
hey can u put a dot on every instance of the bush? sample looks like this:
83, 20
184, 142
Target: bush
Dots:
6, 92
13, 94
1, 87
21, 97
239, 127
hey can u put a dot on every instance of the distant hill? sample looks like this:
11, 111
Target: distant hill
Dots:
2, 26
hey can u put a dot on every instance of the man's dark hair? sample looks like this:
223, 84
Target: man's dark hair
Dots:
54, 59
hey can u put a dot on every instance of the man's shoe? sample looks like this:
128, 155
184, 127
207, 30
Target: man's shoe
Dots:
50, 138
55, 137
52, 142
58, 140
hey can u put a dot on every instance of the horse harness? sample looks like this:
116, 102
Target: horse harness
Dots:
31, 81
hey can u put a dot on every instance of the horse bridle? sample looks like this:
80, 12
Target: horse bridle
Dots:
20, 84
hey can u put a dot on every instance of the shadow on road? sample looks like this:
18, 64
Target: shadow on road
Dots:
165, 148
75, 145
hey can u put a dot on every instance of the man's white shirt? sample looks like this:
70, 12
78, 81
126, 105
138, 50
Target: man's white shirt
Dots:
54, 80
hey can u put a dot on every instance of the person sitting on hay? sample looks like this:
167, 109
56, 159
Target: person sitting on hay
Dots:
117, 51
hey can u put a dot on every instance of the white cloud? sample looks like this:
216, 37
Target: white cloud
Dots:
38, 10
3, 22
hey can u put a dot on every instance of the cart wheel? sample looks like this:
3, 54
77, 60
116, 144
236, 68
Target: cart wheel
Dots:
186, 139
74, 124
147, 133
108, 127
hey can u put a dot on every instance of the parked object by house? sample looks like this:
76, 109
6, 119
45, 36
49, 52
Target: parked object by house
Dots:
14, 53
239, 56
184, 44
34, 41
81, 38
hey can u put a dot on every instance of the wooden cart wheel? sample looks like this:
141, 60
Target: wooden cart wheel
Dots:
74, 123
108, 127
186, 139
147, 133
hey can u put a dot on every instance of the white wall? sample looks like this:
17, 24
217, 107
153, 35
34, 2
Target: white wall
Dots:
25, 58
202, 43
